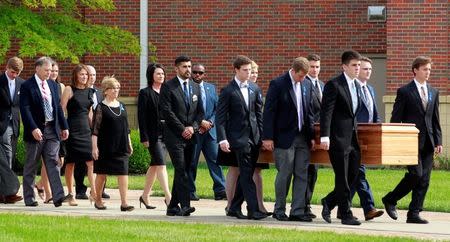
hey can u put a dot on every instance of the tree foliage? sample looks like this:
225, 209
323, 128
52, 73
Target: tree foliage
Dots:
56, 28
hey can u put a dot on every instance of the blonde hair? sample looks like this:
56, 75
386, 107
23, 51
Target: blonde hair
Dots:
254, 66
15, 63
109, 82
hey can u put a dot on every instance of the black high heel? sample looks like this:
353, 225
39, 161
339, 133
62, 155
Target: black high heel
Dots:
141, 201
126, 208
102, 207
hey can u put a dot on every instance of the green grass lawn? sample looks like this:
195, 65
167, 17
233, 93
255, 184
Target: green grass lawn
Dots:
381, 182
16, 227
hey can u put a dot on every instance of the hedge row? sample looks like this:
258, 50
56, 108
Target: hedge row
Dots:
138, 164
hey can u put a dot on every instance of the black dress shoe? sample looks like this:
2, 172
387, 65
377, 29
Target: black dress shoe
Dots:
257, 215
186, 211
350, 221
236, 214
175, 211
339, 216
309, 213
280, 217
416, 220
325, 211
390, 209
220, 196
32, 204
194, 197
105, 195
81, 196
301, 218
269, 213
59, 202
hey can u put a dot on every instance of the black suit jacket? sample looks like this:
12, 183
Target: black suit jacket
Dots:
408, 109
235, 121
9, 108
280, 117
174, 112
363, 112
149, 115
337, 119
32, 108
316, 102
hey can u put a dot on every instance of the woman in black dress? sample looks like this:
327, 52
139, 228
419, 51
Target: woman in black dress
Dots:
77, 102
111, 143
150, 129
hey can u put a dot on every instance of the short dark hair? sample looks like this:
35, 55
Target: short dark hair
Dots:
151, 70
313, 57
349, 55
366, 59
198, 64
420, 61
241, 60
182, 58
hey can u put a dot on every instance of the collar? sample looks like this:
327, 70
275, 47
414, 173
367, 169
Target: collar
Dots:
313, 80
182, 81
292, 78
418, 85
37, 78
7, 77
362, 84
349, 80
239, 82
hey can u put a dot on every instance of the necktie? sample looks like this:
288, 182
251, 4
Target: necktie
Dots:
11, 89
298, 94
45, 99
186, 94
368, 102
423, 97
203, 93
354, 96
317, 89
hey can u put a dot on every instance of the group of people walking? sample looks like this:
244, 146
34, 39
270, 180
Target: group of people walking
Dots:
184, 116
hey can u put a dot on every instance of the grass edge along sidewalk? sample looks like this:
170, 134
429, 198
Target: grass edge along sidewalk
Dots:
22, 227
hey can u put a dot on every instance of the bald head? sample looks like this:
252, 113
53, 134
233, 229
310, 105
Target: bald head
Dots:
92, 75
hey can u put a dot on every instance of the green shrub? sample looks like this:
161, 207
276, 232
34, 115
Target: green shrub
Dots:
441, 163
140, 159
138, 163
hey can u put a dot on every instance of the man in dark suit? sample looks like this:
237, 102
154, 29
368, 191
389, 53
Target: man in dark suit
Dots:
44, 126
417, 102
181, 108
10, 84
81, 168
338, 132
239, 128
288, 131
206, 139
316, 99
368, 113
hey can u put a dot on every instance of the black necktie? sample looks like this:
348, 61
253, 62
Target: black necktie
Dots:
186, 94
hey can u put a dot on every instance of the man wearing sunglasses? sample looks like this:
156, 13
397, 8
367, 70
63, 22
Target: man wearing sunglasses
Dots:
206, 140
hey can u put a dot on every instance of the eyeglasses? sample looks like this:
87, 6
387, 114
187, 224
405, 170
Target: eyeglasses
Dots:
198, 72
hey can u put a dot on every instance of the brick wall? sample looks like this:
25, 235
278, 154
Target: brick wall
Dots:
272, 33
418, 28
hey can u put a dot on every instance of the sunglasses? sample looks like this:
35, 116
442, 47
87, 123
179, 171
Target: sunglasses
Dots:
198, 72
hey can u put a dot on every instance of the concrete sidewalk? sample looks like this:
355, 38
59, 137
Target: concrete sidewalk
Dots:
210, 211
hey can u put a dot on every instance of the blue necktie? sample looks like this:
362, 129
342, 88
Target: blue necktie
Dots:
202, 88
186, 94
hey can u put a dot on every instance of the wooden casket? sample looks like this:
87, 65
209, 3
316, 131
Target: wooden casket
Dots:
380, 143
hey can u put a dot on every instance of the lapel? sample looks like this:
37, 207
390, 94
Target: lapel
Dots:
415, 95
5, 86
288, 83
303, 88
17, 91
36, 90
207, 96
179, 90
430, 97
344, 85
238, 92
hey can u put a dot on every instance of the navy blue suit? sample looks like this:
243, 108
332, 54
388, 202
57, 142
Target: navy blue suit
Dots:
207, 143
361, 185
33, 117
